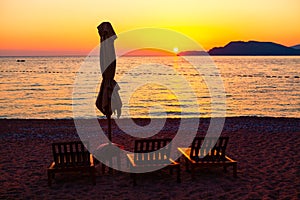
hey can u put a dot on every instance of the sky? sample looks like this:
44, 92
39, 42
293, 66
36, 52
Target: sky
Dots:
64, 27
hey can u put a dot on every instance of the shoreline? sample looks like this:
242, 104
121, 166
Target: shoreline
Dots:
265, 148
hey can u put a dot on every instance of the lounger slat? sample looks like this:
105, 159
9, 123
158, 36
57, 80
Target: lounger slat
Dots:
72, 149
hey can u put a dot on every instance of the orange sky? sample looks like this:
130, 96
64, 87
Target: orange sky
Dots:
56, 27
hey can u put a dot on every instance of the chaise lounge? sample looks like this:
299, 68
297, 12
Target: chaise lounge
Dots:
146, 157
208, 152
70, 157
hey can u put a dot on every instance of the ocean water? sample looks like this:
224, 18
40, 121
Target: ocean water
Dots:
158, 87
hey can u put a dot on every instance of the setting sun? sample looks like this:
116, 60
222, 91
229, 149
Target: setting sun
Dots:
175, 50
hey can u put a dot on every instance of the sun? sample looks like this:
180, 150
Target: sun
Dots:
175, 49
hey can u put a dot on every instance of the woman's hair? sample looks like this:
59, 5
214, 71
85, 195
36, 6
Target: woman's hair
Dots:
106, 31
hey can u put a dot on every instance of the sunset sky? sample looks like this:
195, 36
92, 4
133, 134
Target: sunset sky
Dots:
61, 27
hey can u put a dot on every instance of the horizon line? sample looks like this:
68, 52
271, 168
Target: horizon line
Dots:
141, 55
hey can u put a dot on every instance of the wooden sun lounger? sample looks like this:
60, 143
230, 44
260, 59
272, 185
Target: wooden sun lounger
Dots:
146, 156
69, 157
208, 152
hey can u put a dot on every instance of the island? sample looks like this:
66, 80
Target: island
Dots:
253, 48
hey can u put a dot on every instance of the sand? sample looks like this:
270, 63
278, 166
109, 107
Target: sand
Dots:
267, 151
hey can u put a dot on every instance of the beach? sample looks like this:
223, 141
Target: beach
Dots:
267, 151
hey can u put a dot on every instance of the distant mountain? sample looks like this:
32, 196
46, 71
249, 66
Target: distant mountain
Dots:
253, 48
296, 46
192, 53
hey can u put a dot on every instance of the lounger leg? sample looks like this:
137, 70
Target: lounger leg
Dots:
187, 165
235, 170
134, 178
93, 174
192, 172
49, 178
178, 174
103, 168
171, 170
225, 169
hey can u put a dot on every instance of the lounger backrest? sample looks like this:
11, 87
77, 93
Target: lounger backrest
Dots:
209, 148
70, 154
152, 151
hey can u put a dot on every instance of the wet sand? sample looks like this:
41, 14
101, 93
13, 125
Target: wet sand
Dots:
267, 151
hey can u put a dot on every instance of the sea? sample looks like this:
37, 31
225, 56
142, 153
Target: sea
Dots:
152, 87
